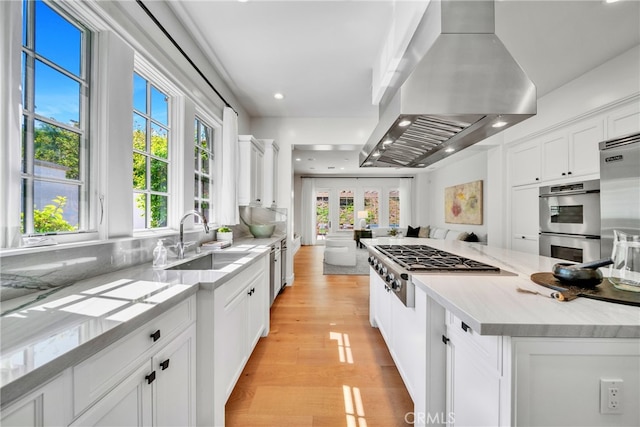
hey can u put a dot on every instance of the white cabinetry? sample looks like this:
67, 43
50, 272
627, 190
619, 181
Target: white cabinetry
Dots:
624, 120
404, 330
475, 386
573, 152
48, 405
525, 222
271, 151
524, 162
251, 171
146, 378
231, 319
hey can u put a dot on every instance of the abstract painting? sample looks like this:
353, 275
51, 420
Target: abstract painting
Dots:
463, 203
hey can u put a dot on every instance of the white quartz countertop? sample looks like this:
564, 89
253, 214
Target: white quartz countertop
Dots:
491, 304
43, 335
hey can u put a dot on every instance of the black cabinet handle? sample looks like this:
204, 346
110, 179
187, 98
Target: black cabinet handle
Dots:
465, 327
537, 179
563, 174
165, 364
155, 336
151, 377
523, 237
569, 173
445, 340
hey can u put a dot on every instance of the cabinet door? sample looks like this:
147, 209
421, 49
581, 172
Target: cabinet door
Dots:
409, 342
525, 163
257, 174
49, 405
525, 222
129, 404
555, 157
175, 386
230, 340
584, 153
624, 121
382, 307
257, 297
473, 387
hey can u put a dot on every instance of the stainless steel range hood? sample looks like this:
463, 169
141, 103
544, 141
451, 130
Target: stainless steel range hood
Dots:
464, 86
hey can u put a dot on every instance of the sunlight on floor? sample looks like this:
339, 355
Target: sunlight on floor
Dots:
353, 407
344, 347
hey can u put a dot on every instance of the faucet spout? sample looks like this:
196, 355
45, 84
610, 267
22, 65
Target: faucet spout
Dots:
180, 245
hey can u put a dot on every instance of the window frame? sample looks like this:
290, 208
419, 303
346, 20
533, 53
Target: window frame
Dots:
152, 81
389, 191
88, 147
212, 134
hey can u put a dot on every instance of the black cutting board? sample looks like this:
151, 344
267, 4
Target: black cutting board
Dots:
605, 291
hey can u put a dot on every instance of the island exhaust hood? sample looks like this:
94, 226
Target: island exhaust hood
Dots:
464, 87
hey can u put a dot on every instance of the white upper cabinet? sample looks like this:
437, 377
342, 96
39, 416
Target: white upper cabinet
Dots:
251, 171
270, 194
555, 156
572, 152
524, 161
624, 121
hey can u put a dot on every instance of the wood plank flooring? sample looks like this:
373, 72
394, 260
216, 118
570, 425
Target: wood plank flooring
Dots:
322, 363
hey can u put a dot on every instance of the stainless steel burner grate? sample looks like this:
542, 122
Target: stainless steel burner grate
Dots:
426, 258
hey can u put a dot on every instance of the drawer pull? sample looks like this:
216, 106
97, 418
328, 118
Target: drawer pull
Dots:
445, 340
465, 327
151, 377
155, 336
165, 364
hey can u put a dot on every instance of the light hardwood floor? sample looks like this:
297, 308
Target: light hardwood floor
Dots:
322, 363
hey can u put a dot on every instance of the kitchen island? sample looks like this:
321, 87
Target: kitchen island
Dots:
476, 351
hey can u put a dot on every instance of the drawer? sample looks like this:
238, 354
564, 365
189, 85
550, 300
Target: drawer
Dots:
488, 347
228, 291
100, 373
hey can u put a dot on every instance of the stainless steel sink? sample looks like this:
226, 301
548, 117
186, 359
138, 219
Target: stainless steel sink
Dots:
210, 261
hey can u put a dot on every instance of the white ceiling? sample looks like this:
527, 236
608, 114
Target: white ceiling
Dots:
320, 54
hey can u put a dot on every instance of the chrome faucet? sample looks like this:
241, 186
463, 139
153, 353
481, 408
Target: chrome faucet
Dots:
181, 246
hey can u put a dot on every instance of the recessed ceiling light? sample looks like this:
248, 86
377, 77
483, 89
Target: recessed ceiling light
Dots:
298, 159
278, 95
404, 123
610, 1
341, 169
449, 150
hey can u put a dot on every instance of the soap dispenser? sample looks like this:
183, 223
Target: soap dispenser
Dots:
159, 254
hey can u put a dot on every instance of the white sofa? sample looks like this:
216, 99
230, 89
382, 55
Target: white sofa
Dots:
433, 233
340, 251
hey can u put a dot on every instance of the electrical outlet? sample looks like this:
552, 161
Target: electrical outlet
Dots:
611, 396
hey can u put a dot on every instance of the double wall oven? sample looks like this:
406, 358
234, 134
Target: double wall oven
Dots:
570, 221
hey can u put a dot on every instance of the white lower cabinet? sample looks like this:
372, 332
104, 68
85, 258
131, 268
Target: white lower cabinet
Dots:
475, 385
48, 405
231, 319
160, 391
404, 330
523, 381
525, 223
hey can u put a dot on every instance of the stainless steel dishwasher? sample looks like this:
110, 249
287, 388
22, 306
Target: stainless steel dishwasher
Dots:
274, 271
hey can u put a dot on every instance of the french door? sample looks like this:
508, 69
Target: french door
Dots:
335, 211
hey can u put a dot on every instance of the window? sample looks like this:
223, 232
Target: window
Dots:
394, 208
203, 157
372, 206
55, 98
346, 210
322, 213
150, 155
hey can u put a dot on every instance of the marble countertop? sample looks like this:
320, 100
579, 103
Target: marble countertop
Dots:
491, 304
41, 335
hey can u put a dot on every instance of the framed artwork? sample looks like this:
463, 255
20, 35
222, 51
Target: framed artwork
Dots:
463, 203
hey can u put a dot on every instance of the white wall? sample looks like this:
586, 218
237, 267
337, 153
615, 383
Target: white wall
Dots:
430, 194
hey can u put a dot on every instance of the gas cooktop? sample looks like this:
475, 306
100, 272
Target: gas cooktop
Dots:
426, 258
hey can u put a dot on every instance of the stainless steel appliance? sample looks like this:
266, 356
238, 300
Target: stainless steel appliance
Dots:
275, 283
395, 263
457, 86
570, 221
620, 188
